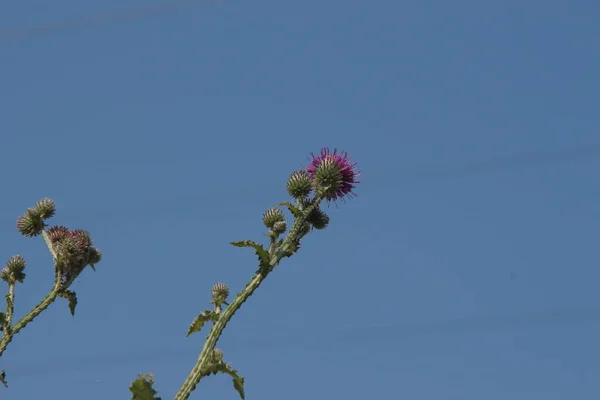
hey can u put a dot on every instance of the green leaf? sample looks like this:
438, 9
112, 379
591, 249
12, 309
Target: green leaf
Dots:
2, 320
72, 297
296, 212
262, 254
200, 320
3, 378
238, 381
142, 388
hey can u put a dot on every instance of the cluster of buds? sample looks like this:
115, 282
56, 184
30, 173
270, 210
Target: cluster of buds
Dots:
274, 219
331, 176
74, 250
32, 222
13, 270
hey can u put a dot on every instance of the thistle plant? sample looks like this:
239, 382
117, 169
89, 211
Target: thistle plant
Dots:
71, 252
329, 177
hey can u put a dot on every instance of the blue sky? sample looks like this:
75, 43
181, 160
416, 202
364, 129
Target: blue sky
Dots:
467, 267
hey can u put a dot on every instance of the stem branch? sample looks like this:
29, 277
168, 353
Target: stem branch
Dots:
45, 303
217, 329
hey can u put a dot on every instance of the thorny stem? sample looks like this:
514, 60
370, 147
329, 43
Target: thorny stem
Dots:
45, 303
217, 329
10, 304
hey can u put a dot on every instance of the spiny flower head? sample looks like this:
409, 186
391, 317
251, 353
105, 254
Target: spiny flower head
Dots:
45, 208
333, 173
82, 238
13, 271
94, 256
219, 291
31, 223
57, 233
299, 184
318, 219
74, 250
271, 216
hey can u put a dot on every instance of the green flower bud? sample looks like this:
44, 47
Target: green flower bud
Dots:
31, 223
57, 233
299, 184
82, 238
279, 227
219, 292
13, 271
271, 216
45, 208
94, 256
217, 355
318, 219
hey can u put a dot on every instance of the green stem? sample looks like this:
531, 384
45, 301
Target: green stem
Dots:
10, 304
217, 329
45, 303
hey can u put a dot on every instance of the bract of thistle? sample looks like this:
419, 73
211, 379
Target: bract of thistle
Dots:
334, 173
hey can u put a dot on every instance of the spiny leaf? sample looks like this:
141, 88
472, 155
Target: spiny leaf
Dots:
3, 378
293, 209
142, 388
72, 297
238, 381
199, 321
262, 254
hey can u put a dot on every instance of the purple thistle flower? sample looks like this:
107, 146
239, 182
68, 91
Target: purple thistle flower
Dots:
334, 171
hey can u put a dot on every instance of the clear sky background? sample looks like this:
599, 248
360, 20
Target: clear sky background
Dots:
466, 269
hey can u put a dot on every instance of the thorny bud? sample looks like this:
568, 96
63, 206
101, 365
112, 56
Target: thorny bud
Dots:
279, 227
31, 223
217, 355
81, 237
299, 184
271, 216
57, 233
73, 249
318, 219
72, 256
13, 271
94, 256
333, 174
45, 208
219, 292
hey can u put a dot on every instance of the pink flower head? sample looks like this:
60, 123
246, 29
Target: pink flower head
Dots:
335, 172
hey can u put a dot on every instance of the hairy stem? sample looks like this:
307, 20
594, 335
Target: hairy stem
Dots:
45, 303
217, 329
